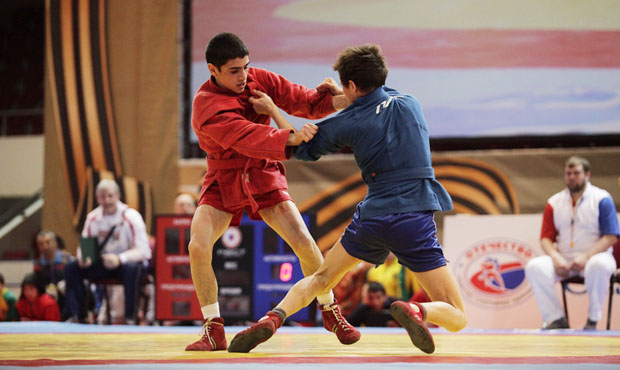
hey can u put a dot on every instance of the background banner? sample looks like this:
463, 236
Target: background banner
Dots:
488, 255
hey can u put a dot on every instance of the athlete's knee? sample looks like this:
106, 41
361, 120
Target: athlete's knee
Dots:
460, 321
454, 320
320, 282
199, 249
458, 318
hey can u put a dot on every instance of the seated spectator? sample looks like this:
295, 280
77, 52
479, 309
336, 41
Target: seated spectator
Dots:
49, 267
374, 309
8, 311
579, 227
123, 248
34, 304
184, 204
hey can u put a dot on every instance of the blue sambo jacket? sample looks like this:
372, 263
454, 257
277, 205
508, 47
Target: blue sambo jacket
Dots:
389, 138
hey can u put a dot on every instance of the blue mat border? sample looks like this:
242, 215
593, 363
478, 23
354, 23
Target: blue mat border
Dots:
40, 327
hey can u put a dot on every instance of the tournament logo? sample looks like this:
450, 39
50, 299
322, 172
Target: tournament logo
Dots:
232, 237
492, 271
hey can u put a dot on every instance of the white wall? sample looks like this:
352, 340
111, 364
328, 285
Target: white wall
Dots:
21, 165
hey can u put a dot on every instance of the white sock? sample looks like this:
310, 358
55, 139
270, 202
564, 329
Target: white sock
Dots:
326, 298
210, 310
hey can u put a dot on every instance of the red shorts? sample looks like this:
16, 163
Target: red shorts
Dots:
213, 197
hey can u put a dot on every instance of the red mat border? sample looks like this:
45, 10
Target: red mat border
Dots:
613, 359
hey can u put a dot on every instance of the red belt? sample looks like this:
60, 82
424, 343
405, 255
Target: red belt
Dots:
239, 163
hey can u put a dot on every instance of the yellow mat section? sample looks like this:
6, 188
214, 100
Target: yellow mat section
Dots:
168, 346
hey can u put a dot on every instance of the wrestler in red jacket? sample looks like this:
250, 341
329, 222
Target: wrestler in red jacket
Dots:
231, 116
240, 141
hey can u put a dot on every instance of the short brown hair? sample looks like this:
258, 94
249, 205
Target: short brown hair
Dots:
576, 160
363, 65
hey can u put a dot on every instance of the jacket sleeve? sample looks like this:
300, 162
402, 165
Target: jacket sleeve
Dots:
607, 218
296, 100
226, 127
548, 227
140, 249
331, 137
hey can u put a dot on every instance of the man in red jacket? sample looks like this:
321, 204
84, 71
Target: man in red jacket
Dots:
231, 116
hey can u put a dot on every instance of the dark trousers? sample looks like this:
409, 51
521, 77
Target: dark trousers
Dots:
129, 273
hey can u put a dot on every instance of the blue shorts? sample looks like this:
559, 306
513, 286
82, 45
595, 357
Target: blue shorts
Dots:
412, 237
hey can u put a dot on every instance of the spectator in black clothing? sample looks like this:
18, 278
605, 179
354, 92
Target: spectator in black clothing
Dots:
374, 309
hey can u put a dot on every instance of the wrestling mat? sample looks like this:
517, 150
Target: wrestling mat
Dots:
64, 345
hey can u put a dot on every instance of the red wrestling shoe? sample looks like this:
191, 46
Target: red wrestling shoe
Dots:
256, 334
334, 321
213, 338
412, 319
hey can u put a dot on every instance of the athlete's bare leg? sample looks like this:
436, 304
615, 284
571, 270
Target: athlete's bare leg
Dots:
337, 263
446, 309
284, 218
208, 225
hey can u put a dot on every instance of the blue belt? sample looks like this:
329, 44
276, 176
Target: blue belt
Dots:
396, 176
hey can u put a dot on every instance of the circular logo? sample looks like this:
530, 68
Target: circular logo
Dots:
232, 237
492, 271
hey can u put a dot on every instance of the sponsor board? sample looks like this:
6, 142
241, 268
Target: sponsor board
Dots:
492, 271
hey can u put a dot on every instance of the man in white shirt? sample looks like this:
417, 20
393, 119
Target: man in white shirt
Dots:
122, 245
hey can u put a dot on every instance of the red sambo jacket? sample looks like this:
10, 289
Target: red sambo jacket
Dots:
243, 150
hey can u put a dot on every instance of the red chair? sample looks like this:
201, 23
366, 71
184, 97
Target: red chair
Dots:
615, 278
